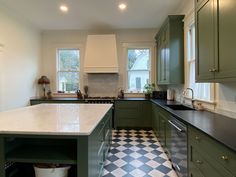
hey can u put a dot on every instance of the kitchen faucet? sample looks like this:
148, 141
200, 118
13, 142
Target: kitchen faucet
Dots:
192, 99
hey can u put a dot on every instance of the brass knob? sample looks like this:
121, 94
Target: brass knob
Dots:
199, 162
210, 70
214, 70
224, 157
197, 138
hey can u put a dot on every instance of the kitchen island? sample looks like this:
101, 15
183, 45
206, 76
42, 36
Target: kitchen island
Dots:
74, 134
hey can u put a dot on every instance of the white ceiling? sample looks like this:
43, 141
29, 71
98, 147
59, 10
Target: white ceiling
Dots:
94, 14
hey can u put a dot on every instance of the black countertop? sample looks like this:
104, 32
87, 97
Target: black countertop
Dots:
218, 127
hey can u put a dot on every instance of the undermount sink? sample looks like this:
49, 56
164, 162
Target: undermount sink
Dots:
179, 107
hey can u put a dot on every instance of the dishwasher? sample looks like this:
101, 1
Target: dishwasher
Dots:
178, 146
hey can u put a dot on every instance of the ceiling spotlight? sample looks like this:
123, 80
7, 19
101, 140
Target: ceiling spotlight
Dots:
64, 8
122, 6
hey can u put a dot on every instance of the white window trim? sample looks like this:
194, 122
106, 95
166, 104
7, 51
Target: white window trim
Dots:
145, 45
79, 47
188, 22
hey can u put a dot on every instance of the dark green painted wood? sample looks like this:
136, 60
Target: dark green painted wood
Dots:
206, 166
170, 51
132, 114
213, 149
155, 119
206, 31
227, 38
88, 153
83, 157
2, 157
162, 130
215, 41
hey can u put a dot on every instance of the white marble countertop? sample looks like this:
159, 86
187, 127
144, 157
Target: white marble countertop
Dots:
53, 119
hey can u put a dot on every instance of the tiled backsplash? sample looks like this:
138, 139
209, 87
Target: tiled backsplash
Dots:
102, 84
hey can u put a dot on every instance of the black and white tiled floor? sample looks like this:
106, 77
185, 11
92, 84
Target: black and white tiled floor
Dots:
137, 153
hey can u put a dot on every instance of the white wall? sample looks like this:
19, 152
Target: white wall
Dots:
225, 93
19, 60
100, 84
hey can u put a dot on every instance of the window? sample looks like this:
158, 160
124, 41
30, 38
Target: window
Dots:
138, 69
202, 91
68, 64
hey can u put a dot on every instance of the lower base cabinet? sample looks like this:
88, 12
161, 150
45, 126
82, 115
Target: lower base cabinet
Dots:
86, 154
208, 158
132, 114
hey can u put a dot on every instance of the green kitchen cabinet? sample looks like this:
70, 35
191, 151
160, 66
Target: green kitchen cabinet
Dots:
205, 40
161, 126
208, 157
162, 130
86, 154
215, 40
170, 51
155, 119
132, 114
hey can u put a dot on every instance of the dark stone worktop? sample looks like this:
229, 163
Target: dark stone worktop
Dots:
218, 127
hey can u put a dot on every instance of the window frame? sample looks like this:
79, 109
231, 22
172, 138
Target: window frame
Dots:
189, 22
126, 47
79, 71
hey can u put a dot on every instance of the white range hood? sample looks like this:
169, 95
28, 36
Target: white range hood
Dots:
101, 54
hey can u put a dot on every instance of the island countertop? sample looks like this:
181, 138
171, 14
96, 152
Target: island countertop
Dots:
53, 119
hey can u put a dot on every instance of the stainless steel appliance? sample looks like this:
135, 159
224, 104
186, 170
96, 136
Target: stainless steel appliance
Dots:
178, 146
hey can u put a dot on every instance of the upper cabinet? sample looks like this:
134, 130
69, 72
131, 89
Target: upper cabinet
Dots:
170, 51
215, 40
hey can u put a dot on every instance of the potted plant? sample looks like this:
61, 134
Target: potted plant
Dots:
148, 89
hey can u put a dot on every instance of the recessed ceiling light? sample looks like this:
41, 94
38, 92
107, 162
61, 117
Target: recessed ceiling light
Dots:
64, 8
122, 6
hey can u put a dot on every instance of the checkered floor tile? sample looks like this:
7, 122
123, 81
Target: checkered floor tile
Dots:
137, 153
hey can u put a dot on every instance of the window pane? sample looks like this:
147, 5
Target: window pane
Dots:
68, 81
68, 59
138, 59
137, 80
201, 90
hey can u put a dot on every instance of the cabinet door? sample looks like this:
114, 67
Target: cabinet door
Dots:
162, 130
206, 44
163, 60
155, 119
227, 38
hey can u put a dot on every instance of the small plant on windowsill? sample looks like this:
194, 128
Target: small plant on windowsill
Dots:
148, 89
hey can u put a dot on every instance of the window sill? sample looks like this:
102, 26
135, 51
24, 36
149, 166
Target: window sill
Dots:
200, 100
72, 95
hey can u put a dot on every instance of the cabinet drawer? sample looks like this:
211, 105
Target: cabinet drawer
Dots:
128, 105
128, 113
219, 153
194, 171
203, 163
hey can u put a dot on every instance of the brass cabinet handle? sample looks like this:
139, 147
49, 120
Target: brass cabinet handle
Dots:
199, 162
197, 138
213, 70
224, 157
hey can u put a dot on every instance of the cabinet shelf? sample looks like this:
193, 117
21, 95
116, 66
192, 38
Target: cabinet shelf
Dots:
42, 154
